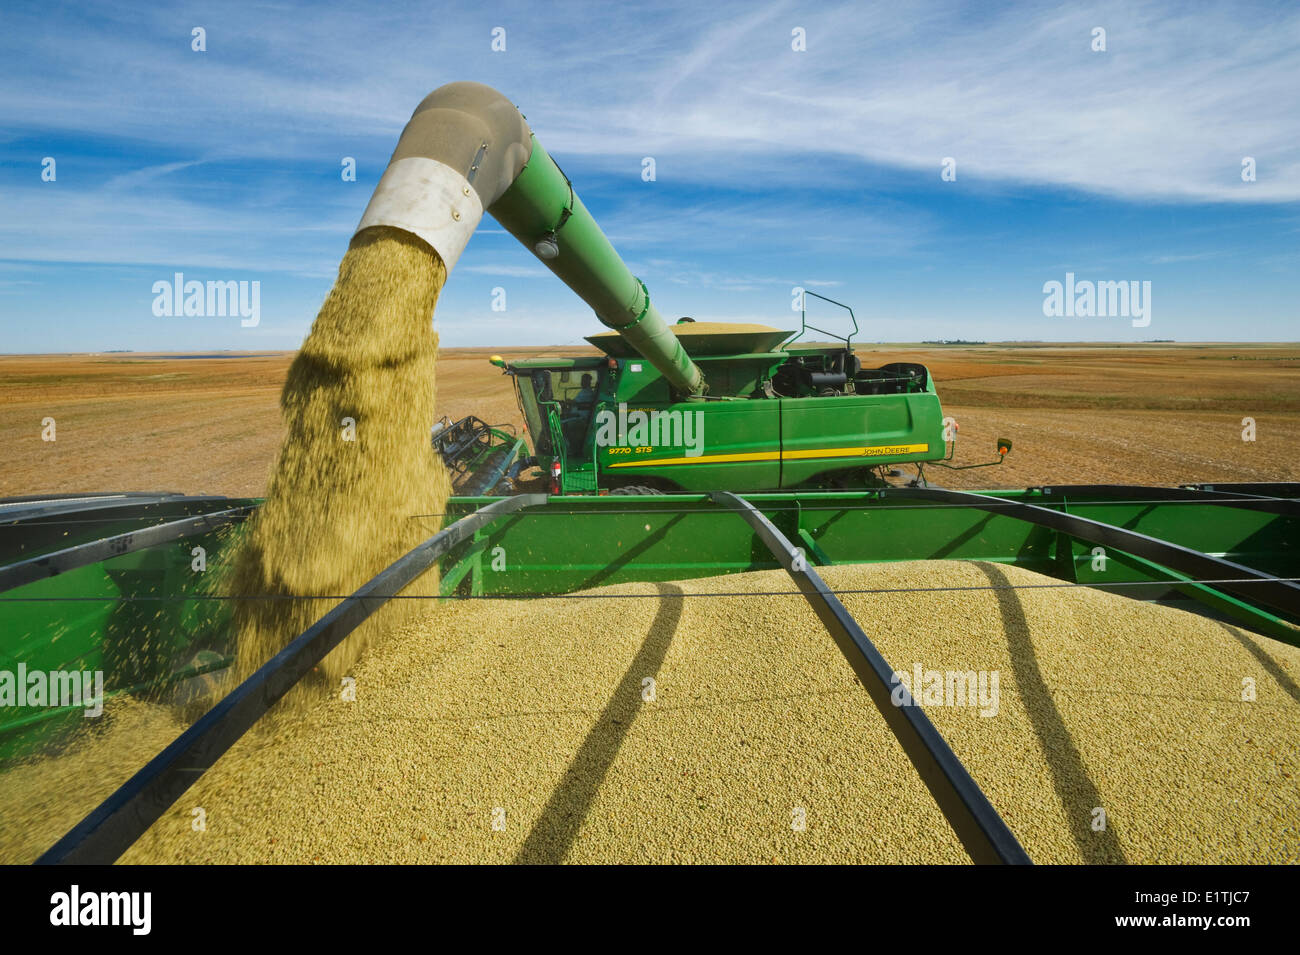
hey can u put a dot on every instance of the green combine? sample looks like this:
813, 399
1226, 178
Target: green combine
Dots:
775, 416
748, 448
688, 407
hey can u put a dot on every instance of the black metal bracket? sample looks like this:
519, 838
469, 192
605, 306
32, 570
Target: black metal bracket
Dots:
1252, 585
70, 558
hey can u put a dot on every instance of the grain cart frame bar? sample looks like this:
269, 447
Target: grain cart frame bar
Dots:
110, 829
44, 523
33, 506
1278, 489
1254, 586
466, 150
984, 834
1266, 503
82, 555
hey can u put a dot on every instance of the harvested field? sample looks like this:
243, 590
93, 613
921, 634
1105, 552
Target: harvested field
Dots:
485, 716
1146, 414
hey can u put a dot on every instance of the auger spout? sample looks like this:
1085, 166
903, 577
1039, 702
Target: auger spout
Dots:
467, 149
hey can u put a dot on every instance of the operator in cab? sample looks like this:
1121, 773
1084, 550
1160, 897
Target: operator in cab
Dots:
575, 421
585, 398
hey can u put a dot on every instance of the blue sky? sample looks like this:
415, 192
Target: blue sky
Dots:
774, 168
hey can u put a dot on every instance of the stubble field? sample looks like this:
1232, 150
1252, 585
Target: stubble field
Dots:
1147, 414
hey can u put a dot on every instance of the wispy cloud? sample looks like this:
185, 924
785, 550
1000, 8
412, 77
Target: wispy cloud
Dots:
1015, 94
1189, 257
61, 223
507, 271
774, 167
140, 177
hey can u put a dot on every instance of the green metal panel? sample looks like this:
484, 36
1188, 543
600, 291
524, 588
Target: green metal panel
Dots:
133, 617
740, 375
872, 429
583, 542
735, 445
639, 383
1264, 541
896, 532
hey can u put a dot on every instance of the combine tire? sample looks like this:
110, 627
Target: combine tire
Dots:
634, 489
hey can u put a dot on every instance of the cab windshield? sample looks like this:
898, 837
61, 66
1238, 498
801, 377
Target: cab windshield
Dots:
567, 393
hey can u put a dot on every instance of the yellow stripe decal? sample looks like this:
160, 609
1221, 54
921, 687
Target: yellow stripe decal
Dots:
701, 459
882, 450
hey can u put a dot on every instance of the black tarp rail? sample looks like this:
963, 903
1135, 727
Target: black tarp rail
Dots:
1251, 585
120, 820
983, 833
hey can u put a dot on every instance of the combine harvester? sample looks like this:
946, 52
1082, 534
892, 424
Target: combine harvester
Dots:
746, 450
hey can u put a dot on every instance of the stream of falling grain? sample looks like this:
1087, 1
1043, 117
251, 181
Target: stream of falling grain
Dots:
355, 466
356, 463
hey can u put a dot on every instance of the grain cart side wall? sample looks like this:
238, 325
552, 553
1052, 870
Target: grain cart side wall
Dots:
468, 149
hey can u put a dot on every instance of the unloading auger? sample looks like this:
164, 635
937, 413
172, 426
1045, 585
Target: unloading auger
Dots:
467, 150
